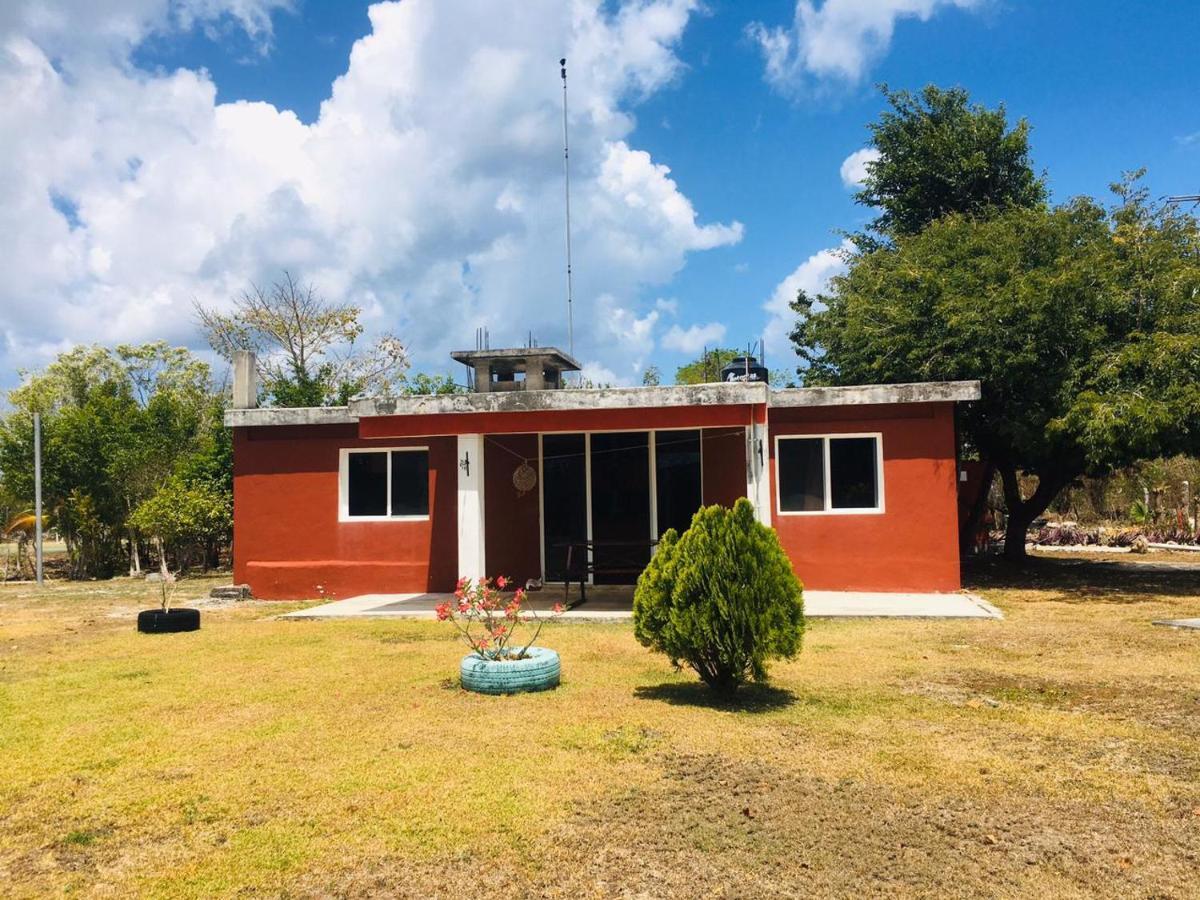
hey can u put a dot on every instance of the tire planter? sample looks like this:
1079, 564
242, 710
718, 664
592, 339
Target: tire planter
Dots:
539, 671
155, 621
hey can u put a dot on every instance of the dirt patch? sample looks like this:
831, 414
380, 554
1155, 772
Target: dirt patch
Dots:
1176, 709
718, 827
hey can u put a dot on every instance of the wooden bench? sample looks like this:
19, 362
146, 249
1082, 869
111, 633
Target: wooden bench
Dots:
619, 558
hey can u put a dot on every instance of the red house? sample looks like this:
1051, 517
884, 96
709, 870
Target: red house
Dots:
405, 495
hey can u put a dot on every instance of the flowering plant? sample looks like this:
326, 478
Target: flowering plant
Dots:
487, 620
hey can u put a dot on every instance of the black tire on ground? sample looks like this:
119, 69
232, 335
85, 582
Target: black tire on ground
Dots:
155, 621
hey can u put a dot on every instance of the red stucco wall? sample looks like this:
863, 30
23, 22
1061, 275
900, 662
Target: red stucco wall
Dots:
723, 461
288, 543
288, 540
511, 520
913, 545
567, 420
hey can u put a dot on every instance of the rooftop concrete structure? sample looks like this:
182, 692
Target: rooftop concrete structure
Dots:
517, 368
245, 380
714, 394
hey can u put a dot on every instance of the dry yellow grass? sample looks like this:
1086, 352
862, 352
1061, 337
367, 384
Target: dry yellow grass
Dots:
1055, 752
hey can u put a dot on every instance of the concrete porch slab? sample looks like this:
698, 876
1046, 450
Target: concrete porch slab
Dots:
1180, 623
817, 604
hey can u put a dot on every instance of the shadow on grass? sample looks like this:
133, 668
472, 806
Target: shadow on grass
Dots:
1077, 580
754, 698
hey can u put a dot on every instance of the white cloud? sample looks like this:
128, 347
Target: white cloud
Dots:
429, 189
811, 276
854, 166
837, 40
693, 339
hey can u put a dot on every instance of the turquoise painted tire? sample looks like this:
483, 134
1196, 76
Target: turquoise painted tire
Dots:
539, 671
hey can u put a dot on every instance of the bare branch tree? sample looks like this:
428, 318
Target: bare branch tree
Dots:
301, 339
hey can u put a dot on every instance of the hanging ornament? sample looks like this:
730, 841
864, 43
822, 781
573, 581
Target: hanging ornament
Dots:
524, 478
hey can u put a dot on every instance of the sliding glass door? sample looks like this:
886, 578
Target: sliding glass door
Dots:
635, 488
564, 498
677, 479
620, 505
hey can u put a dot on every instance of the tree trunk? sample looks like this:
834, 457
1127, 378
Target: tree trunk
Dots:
135, 559
968, 526
1021, 511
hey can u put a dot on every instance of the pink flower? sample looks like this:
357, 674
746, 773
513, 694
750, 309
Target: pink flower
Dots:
558, 608
443, 611
502, 582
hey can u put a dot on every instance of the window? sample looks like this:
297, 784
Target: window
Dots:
385, 484
829, 474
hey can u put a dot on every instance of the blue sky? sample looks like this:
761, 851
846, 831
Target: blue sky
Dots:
1107, 86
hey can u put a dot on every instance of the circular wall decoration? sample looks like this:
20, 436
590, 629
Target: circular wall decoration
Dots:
524, 478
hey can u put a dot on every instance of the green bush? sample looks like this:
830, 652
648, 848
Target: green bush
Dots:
722, 599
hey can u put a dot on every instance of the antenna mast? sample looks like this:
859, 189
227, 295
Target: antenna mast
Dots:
567, 195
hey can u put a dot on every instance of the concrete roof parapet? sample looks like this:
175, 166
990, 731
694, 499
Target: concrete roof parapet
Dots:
713, 394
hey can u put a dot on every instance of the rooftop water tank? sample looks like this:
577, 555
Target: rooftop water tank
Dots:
744, 368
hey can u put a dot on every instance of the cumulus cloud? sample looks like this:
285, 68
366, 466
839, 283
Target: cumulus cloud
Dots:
428, 190
854, 166
837, 40
811, 276
693, 339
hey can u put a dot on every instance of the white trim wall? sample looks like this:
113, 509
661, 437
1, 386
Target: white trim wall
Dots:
758, 482
472, 556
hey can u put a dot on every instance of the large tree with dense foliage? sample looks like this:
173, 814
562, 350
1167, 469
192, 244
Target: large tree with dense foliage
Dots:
1082, 323
306, 347
940, 154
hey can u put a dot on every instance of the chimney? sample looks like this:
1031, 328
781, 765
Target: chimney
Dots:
245, 380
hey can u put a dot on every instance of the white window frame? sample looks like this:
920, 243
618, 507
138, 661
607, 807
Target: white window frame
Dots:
344, 485
828, 486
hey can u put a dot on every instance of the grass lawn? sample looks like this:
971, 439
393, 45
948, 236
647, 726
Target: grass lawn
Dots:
1056, 752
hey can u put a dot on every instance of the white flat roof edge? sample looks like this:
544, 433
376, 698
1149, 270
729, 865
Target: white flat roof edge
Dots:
862, 394
718, 394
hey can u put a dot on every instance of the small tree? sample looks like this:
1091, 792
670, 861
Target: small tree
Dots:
184, 518
722, 599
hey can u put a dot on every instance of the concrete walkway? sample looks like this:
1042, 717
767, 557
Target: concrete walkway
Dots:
817, 604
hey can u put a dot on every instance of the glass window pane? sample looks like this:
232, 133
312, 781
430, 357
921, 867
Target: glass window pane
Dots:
410, 483
852, 477
677, 476
564, 496
367, 477
620, 505
801, 473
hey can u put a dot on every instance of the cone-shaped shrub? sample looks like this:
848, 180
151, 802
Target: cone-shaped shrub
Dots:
722, 598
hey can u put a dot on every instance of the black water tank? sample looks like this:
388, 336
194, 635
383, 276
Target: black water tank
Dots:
744, 368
